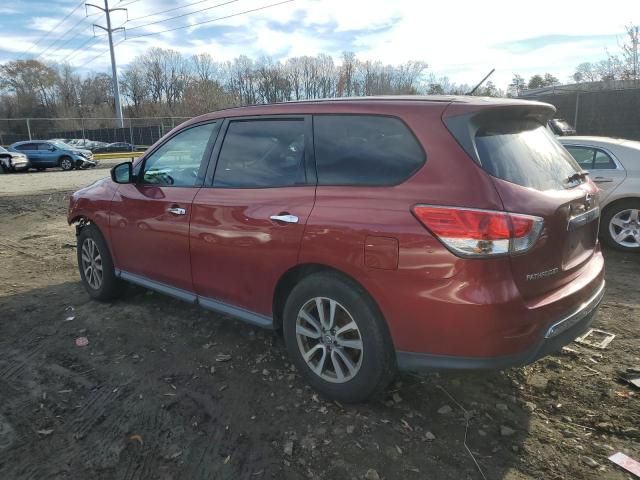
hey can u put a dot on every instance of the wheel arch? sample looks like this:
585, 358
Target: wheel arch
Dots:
289, 279
617, 201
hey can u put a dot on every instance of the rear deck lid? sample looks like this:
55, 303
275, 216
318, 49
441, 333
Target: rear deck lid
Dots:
535, 175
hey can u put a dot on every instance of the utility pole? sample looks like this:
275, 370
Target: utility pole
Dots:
114, 70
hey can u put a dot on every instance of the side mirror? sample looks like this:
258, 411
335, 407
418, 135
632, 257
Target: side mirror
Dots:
52, 149
122, 173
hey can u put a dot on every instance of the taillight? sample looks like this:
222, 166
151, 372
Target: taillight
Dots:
469, 232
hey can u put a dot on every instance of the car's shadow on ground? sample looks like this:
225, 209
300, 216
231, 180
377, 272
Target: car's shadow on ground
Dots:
168, 390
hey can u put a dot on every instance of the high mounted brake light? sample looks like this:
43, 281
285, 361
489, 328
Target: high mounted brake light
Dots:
470, 232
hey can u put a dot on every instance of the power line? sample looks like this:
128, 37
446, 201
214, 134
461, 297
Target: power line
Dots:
182, 15
103, 52
90, 39
212, 20
168, 10
72, 39
57, 25
83, 19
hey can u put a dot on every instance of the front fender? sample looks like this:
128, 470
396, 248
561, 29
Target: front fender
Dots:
93, 203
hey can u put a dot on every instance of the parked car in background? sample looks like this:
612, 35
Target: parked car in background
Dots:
115, 147
376, 233
561, 127
614, 165
47, 154
13, 161
85, 143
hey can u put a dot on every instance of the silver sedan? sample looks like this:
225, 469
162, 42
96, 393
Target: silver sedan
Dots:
614, 164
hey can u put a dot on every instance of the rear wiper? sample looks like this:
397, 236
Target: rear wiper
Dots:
577, 176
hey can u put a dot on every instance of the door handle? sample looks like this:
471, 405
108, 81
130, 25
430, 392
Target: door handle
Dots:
602, 179
177, 210
284, 218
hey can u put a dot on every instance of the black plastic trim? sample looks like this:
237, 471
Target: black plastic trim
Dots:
245, 315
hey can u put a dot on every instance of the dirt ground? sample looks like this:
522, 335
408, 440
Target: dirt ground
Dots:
53, 179
169, 391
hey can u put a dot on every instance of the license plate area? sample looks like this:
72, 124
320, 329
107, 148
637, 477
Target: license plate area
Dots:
582, 235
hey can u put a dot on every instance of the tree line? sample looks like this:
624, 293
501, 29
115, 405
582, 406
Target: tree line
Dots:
164, 82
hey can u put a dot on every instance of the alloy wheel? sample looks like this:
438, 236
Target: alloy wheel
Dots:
329, 340
624, 228
66, 164
92, 263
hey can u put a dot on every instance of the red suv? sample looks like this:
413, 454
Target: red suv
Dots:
376, 233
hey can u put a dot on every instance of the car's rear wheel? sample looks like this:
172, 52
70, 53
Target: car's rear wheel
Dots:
337, 338
96, 265
66, 163
620, 225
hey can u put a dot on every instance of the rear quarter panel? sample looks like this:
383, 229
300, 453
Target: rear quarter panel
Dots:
344, 217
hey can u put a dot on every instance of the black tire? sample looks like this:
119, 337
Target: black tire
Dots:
606, 226
377, 365
66, 163
110, 286
40, 169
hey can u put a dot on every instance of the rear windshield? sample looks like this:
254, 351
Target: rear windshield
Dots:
526, 153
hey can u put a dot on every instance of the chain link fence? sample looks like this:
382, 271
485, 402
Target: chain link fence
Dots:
141, 132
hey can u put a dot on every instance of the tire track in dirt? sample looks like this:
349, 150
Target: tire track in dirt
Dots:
14, 368
94, 410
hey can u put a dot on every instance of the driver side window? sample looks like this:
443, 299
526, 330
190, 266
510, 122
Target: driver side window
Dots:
177, 163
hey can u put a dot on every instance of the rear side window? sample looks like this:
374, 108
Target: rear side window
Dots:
261, 154
364, 150
602, 160
524, 152
582, 155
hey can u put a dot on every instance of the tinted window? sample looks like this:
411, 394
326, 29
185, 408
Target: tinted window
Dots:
262, 153
45, 147
364, 150
603, 161
526, 153
582, 155
26, 146
177, 163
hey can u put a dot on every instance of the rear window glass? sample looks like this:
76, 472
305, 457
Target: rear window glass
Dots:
526, 153
364, 150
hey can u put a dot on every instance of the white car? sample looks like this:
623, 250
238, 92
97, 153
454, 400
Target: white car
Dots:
13, 161
614, 165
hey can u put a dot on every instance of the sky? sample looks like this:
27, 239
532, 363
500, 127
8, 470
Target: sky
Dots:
462, 40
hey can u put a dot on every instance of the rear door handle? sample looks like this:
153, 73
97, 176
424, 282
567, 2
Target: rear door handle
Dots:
286, 218
602, 179
177, 211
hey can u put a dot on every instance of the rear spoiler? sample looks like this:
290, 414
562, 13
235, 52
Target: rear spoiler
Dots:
465, 125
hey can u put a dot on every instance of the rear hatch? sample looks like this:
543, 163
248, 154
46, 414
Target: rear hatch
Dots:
534, 175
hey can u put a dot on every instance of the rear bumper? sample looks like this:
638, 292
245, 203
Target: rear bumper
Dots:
557, 335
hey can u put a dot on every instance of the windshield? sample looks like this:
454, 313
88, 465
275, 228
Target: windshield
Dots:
526, 153
62, 145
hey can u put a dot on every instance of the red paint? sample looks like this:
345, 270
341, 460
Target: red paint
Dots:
434, 302
146, 238
238, 253
381, 252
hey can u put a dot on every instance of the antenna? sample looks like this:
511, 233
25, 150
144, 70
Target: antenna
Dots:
481, 81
